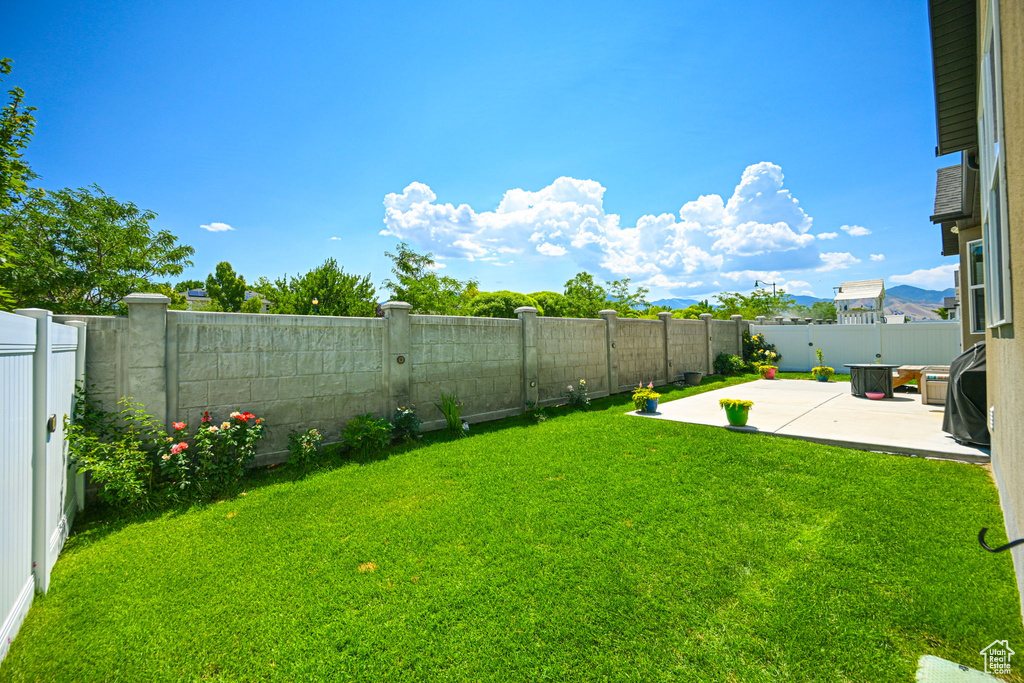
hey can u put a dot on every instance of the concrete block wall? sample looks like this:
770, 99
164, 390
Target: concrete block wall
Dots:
687, 347
297, 371
317, 371
106, 375
641, 347
568, 350
480, 359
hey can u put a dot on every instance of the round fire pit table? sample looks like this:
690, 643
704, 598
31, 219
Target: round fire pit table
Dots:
865, 377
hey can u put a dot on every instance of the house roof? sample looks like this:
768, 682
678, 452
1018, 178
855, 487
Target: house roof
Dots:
954, 68
949, 193
861, 289
950, 302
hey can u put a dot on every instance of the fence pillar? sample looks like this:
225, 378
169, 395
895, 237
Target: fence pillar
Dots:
670, 373
147, 353
610, 352
397, 354
40, 437
79, 384
779, 320
738, 321
528, 321
706, 317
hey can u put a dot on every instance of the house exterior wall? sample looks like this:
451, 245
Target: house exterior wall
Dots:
1005, 350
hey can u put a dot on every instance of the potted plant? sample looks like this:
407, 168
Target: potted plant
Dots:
736, 410
767, 371
822, 372
693, 378
645, 399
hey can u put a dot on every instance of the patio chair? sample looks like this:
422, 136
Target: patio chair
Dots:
933, 384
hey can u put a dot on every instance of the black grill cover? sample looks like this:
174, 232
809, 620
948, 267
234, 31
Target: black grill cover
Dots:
965, 398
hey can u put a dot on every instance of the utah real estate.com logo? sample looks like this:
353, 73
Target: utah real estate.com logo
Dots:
997, 657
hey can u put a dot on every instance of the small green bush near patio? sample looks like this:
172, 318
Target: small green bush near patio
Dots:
591, 546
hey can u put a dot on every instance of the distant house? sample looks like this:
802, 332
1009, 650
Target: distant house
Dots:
860, 302
198, 300
978, 69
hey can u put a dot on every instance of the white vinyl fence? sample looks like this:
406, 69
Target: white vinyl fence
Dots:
935, 343
40, 363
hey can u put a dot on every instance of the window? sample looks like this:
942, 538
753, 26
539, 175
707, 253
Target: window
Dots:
976, 286
993, 173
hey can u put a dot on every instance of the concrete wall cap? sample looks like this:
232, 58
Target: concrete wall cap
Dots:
607, 312
525, 309
146, 298
665, 315
706, 316
396, 305
736, 317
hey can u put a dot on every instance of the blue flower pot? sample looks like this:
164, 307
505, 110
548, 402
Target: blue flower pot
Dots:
652, 405
822, 378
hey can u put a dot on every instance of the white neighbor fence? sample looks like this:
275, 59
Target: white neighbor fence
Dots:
40, 362
935, 343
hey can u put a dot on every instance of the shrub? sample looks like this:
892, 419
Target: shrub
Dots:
135, 463
757, 350
501, 304
406, 424
822, 371
763, 370
535, 413
726, 364
451, 407
223, 452
578, 396
304, 446
367, 433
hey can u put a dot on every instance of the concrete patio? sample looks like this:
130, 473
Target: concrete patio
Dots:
826, 412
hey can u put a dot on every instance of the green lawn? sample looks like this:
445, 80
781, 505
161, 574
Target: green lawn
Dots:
593, 546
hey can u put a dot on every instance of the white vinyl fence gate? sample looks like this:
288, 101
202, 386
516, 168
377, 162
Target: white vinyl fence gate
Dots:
40, 363
935, 343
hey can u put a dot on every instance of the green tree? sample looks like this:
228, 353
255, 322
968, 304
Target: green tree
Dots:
186, 285
584, 298
942, 312
825, 310
252, 305
552, 303
17, 124
694, 311
758, 302
82, 251
336, 292
226, 288
417, 284
501, 304
628, 303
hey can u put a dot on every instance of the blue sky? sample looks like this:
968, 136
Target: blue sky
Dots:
311, 128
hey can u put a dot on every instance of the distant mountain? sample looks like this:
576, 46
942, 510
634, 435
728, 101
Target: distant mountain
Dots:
804, 300
673, 304
916, 295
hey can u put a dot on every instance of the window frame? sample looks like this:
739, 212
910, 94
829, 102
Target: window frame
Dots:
992, 163
973, 286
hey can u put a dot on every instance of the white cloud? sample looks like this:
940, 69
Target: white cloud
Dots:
216, 227
878, 257
827, 235
837, 261
855, 230
549, 249
760, 226
335, 239
940, 277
